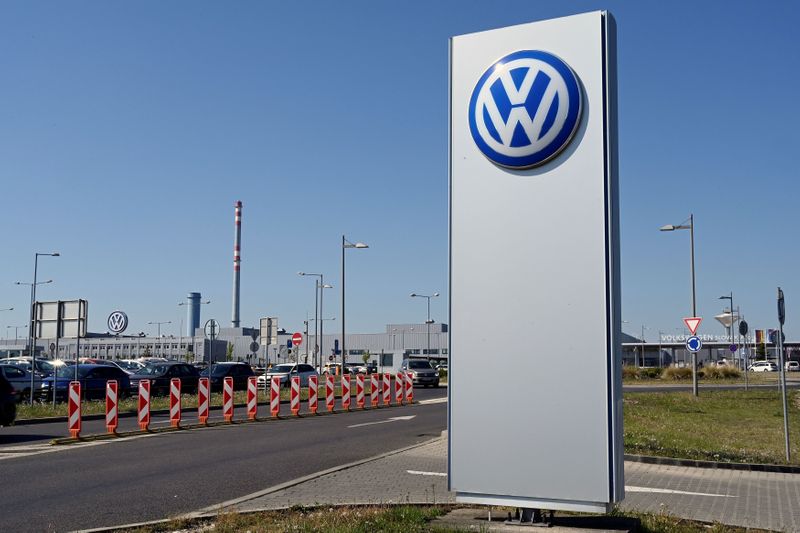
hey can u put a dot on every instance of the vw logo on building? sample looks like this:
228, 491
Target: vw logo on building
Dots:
525, 109
117, 322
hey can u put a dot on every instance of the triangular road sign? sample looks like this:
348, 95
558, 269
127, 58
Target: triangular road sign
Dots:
692, 323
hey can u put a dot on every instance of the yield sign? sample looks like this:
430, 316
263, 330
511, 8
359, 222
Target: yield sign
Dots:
692, 323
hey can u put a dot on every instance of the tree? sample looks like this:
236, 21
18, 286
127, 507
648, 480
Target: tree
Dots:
229, 352
365, 356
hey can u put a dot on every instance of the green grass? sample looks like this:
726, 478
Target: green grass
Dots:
399, 519
731, 426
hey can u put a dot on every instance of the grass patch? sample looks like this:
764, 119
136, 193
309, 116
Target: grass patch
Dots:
730, 426
399, 519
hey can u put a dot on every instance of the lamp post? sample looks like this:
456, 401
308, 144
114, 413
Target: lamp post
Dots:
345, 245
642, 358
428, 322
16, 329
319, 285
32, 324
159, 333
315, 320
690, 227
733, 316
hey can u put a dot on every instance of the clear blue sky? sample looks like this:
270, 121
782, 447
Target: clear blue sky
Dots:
129, 129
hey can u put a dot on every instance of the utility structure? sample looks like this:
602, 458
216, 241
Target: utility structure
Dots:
428, 322
345, 246
237, 259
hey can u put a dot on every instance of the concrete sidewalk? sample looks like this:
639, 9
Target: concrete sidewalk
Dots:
417, 475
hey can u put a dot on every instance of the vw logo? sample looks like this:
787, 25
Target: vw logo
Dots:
117, 322
525, 109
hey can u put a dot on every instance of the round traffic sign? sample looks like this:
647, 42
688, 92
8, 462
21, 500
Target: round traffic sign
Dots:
297, 339
211, 328
254, 346
693, 343
733, 348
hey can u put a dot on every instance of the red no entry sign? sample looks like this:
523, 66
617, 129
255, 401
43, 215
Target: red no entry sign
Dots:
297, 339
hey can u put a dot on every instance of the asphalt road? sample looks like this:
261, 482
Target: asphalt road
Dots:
63, 488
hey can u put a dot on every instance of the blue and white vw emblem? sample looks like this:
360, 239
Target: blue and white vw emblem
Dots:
525, 109
117, 322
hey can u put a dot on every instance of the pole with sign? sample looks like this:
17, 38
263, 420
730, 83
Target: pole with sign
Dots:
781, 320
211, 329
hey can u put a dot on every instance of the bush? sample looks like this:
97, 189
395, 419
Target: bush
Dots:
630, 372
719, 372
649, 373
675, 373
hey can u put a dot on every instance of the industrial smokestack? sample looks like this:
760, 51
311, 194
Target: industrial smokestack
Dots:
237, 243
192, 313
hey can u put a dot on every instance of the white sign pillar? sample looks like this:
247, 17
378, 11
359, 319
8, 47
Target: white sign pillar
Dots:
535, 396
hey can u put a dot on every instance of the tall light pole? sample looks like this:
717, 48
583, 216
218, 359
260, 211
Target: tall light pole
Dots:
319, 284
733, 317
428, 322
32, 323
642, 358
345, 245
16, 329
690, 227
159, 333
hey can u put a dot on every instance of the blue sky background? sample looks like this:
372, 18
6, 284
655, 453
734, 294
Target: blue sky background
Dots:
129, 129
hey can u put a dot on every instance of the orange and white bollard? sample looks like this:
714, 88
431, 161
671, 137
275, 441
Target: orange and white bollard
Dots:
144, 404
373, 390
330, 393
275, 396
387, 388
409, 388
294, 397
112, 412
74, 409
346, 392
202, 400
360, 390
313, 385
227, 399
399, 385
175, 402
252, 397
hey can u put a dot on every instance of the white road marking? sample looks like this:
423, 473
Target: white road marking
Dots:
434, 400
393, 419
421, 473
669, 491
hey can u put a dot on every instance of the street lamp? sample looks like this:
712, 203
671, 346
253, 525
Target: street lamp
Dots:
318, 286
345, 245
428, 322
159, 332
321, 320
16, 329
31, 331
690, 227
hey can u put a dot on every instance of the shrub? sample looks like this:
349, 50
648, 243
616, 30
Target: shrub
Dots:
675, 372
649, 373
720, 372
629, 372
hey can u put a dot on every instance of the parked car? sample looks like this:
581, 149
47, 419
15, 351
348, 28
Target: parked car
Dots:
45, 367
161, 375
422, 373
20, 379
336, 368
93, 379
131, 366
763, 366
8, 402
792, 366
286, 371
238, 371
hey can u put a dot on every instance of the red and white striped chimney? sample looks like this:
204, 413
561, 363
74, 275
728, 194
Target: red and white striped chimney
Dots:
237, 247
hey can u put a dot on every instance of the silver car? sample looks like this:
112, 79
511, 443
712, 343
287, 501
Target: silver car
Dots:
422, 373
285, 371
20, 379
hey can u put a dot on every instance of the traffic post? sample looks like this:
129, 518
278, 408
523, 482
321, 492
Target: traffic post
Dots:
202, 400
399, 385
144, 404
330, 393
346, 392
373, 390
387, 388
112, 413
360, 390
275, 396
74, 409
252, 397
297, 339
227, 399
175, 402
312, 394
294, 397
409, 388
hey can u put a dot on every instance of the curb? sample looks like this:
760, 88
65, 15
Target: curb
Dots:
694, 463
214, 510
